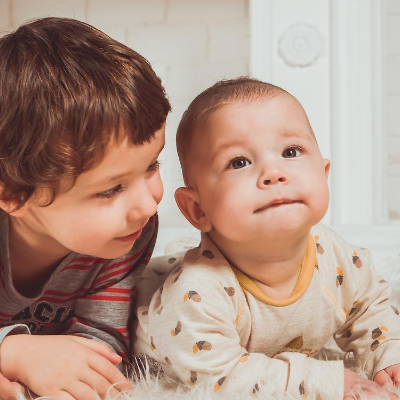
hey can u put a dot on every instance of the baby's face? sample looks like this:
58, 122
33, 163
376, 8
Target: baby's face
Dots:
258, 170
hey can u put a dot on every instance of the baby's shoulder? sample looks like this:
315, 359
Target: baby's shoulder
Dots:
202, 266
203, 274
334, 252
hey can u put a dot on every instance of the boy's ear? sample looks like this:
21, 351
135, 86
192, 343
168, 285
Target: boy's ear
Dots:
11, 207
187, 200
327, 165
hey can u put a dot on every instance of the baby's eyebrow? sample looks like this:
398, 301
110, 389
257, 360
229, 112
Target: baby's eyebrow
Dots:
228, 145
297, 135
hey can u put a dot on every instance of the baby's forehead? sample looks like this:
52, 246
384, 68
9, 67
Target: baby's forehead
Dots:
235, 121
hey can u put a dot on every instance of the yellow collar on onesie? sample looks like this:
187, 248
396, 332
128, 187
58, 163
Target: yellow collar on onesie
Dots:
303, 281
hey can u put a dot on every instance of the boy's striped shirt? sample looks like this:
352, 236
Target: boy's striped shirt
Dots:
86, 296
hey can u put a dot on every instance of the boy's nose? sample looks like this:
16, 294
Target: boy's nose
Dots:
143, 207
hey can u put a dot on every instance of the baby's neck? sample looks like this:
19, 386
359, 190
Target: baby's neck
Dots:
275, 265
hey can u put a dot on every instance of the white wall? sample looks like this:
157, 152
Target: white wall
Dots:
191, 44
392, 97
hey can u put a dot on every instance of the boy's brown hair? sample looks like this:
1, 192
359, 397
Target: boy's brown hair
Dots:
221, 93
67, 91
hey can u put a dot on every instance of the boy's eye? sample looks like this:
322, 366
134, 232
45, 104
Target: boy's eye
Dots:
154, 167
292, 152
110, 193
239, 162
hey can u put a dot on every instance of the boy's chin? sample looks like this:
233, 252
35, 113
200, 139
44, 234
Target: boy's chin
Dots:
112, 253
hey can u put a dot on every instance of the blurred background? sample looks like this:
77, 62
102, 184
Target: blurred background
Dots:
341, 58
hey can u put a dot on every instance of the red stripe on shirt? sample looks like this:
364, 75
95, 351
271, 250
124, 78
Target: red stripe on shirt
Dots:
115, 273
59, 301
78, 266
87, 259
115, 290
107, 298
122, 262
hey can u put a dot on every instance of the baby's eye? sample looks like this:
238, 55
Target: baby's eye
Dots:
110, 193
239, 162
293, 152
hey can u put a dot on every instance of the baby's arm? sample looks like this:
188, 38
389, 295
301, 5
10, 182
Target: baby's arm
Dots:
389, 375
372, 328
192, 330
354, 383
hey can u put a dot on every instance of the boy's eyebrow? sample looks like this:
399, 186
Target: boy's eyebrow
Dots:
113, 178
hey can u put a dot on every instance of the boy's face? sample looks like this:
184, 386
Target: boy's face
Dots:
258, 170
104, 212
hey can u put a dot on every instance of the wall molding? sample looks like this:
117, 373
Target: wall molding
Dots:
261, 42
300, 45
356, 130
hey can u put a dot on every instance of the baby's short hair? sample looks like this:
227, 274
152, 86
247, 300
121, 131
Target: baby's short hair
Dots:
221, 93
67, 91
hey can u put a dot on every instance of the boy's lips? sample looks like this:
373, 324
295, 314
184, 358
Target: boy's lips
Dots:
278, 202
130, 238
133, 236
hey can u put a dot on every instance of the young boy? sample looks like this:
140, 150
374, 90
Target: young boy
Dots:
269, 284
81, 126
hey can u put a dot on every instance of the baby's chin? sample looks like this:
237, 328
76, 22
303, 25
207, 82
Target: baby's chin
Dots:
259, 236
285, 230
285, 227
293, 216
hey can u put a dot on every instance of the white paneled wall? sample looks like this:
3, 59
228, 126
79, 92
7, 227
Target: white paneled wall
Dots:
191, 44
392, 94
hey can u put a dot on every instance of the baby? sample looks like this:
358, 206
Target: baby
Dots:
269, 284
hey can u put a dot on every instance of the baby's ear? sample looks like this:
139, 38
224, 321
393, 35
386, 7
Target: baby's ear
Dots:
188, 202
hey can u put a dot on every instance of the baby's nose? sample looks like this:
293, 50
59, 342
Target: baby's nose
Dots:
269, 181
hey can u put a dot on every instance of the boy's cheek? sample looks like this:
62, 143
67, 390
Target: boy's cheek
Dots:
158, 191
